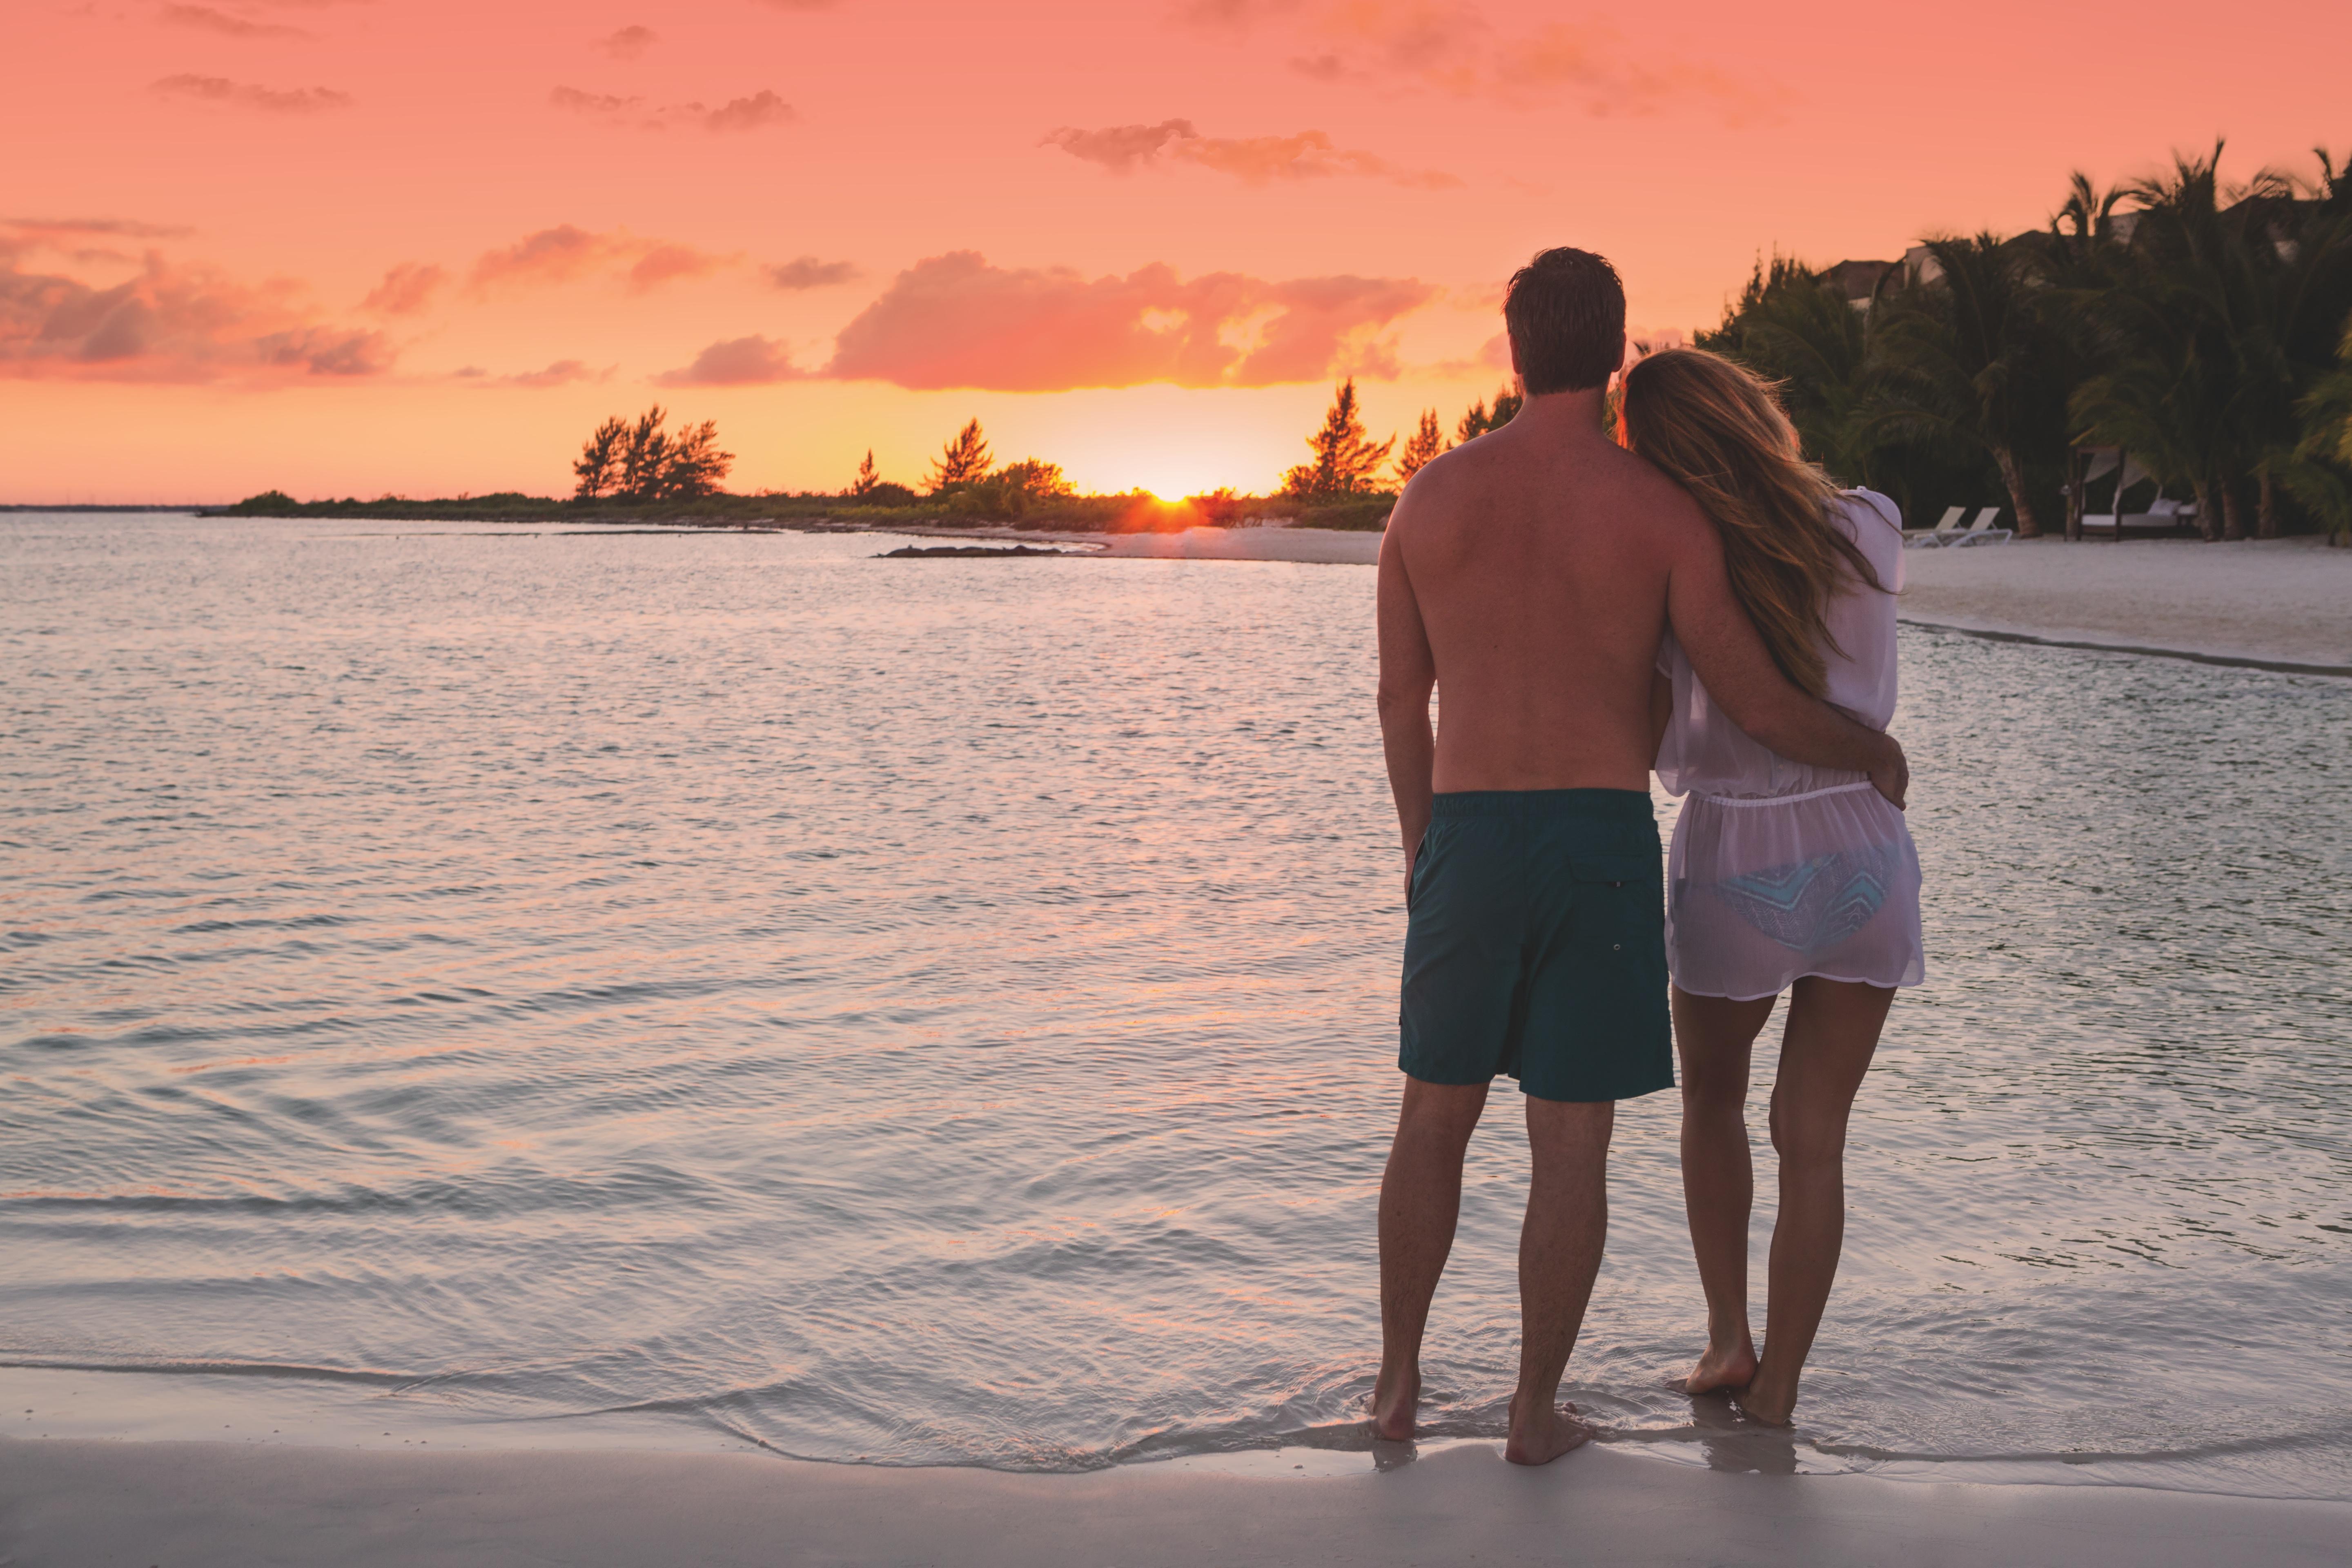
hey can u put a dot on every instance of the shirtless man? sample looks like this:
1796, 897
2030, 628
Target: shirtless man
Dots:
1533, 572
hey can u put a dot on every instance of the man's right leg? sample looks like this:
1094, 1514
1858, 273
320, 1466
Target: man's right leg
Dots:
1421, 1197
1559, 1254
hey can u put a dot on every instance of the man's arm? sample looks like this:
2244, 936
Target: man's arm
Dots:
1408, 676
1729, 658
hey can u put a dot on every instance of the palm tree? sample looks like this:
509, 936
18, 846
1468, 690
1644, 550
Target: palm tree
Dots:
1972, 354
2238, 294
1796, 327
2295, 241
2319, 477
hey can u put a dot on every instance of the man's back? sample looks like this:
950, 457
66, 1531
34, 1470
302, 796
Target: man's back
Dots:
1537, 558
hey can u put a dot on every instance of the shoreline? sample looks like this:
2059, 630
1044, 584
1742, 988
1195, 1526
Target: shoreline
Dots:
2277, 606
2283, 606
215, 1505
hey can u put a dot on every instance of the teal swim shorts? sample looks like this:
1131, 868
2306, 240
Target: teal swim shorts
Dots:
1535, 945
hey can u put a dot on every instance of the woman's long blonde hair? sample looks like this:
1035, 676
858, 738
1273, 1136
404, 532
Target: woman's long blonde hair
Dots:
1718, 430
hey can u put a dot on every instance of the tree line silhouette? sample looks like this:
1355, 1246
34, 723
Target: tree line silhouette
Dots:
643, 462
2205, 328
2200, 326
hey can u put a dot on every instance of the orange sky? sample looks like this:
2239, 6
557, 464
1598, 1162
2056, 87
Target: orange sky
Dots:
356, 246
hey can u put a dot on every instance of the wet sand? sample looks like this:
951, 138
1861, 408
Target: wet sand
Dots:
222, 1505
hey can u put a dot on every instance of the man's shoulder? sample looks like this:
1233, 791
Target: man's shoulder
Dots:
1654, 506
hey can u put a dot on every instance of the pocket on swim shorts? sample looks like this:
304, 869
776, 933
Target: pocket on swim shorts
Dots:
1622, 897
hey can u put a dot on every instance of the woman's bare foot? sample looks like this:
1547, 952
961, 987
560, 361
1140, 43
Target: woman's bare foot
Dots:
1545, 1435
1762, 1402
1723, 1367
1396, 1397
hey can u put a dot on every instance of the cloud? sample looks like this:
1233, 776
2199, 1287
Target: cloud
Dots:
666, 263
562, 372
754, 360
1308, 154
579, 102
1452, 46
763, 108
808, 272
203, 18
628, 43
408, 289
566, 252
48, 229
760, 109
954, 320
71, 236
245, 95
555, 255
173, 323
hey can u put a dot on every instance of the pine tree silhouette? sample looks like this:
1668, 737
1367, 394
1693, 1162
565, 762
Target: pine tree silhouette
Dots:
963, 461
1426, 444
1344, 461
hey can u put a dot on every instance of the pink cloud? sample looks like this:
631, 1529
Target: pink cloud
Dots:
808, 272
763, 108
1308, 154
203, 18
954, 320
172, 324
48, 230
555, 255
753, 360
666, 263
1453, 46
579, 102
406, 289
566, 253
246, 95
752, 113
562, 372
628, 43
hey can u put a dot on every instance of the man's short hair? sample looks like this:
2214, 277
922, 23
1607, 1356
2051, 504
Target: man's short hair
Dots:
1566, 313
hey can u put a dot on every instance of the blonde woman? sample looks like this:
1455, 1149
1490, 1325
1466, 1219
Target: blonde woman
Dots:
1781, 876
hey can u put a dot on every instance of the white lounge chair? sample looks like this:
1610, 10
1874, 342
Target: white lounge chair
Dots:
1982, 531
1929, 538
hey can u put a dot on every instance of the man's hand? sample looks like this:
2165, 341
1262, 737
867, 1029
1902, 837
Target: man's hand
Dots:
1891, 776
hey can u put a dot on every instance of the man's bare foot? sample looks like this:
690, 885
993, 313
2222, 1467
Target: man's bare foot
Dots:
1723, 1367
1544, 1437
1396, 1397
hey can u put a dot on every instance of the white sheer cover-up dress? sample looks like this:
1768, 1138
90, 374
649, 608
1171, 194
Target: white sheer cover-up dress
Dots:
1779, 871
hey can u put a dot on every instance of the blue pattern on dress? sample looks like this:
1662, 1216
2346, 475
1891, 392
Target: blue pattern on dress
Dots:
1814, 904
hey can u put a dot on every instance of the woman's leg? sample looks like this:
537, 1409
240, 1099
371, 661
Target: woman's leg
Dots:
1713, 1035
1825, 1048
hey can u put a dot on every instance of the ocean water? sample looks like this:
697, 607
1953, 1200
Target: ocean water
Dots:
495, 987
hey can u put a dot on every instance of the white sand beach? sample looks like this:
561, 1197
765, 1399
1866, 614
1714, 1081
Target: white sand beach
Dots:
2285, 601
72, 1504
